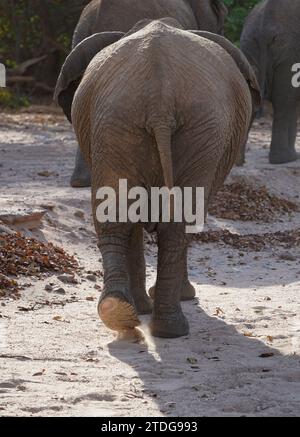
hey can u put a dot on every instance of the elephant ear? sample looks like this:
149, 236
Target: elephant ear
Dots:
221, 12
75, 65
242, 63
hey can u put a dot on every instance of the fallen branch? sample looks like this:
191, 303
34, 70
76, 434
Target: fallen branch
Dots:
12, 80
22, 68
29, 80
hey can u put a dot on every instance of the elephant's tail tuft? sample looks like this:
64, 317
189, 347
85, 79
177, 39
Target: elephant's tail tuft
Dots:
163, 137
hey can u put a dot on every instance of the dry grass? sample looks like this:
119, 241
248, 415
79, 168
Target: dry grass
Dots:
240, 201
21, 256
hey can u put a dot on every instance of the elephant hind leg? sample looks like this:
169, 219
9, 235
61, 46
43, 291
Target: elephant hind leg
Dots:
168, 320
137, 272
118, 314
116, 307
188, 291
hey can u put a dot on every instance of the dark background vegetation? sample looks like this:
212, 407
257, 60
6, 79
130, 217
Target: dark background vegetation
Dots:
35, 37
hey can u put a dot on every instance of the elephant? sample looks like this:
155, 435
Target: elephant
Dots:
121, 15
176, 116
271, 42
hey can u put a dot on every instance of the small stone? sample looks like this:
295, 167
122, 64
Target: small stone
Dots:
92, 278
266, 355
79, 214
20, 218
48, 207
67, 279
59, 290
21, 388
287, 256
5, 230
48, 287
46, 173
192, 360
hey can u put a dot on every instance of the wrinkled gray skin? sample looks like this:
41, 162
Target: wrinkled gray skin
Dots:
271, 42
121, 15
183, 103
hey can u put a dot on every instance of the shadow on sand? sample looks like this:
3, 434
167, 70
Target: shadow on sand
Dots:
214, 371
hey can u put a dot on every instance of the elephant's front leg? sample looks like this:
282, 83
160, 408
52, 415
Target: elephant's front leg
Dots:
81, 176
284, 135
137, 271
117, 307
284, 120
168, 319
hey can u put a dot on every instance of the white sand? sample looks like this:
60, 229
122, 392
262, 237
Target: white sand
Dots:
216, 370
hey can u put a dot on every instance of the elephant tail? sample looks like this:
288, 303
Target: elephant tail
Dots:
163, 137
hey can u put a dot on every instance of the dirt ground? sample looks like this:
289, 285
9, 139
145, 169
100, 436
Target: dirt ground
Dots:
242, 357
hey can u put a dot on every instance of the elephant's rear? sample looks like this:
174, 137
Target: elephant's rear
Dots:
160, 107
158, 83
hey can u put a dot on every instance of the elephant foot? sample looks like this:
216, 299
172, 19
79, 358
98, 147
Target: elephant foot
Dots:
142, 302
283, 158
80, 179
240, 162
118, 314
188, 292
169, 325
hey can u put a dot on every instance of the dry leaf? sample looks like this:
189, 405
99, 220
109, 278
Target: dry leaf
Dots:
40, 373
256, 242
21, 256
248, 334
267, 355
219, 312
192, 360
241, 201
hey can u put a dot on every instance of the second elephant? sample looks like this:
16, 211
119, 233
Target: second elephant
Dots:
271, 42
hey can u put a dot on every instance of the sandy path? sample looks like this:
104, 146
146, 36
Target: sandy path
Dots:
247, 305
